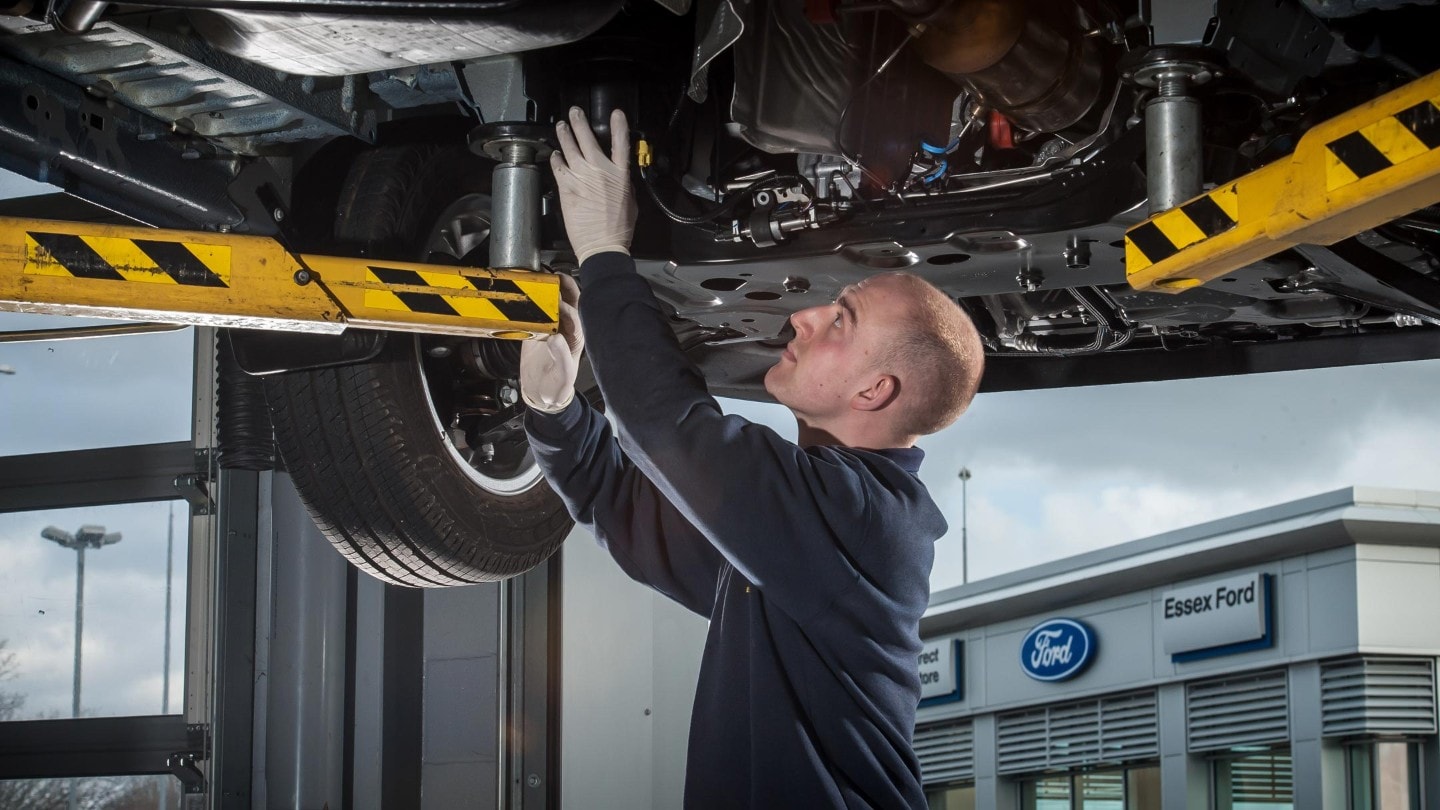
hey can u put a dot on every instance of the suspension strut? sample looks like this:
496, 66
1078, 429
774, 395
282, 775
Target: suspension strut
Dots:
1173, 145
517, 149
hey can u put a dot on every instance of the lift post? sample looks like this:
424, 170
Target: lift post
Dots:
1357, 170
217, 279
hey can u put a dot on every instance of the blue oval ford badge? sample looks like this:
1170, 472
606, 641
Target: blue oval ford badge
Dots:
1057, 650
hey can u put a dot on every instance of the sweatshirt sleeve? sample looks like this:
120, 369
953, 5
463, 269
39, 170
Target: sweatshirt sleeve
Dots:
650, 540
790, 521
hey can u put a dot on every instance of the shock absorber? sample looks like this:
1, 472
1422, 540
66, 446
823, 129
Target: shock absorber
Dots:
1174, 159
517, 148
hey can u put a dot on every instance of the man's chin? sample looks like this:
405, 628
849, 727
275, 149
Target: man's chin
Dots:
772, 385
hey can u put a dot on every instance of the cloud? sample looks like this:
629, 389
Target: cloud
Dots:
1038, 507
77, 394
1061, 472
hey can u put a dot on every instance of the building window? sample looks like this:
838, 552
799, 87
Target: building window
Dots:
1383, 775
954, 797
1136, 788
1263, 780
1142, 788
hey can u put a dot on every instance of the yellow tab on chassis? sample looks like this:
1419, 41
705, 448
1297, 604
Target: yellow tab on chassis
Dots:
1376, 162
213, 279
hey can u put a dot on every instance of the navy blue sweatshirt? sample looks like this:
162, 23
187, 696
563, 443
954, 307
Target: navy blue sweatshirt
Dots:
812, 565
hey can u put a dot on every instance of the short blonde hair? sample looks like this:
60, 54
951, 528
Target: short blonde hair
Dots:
937, 356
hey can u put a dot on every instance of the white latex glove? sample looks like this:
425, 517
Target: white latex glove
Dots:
548, 365
596, 197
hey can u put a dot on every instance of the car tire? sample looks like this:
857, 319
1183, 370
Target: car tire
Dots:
373, 461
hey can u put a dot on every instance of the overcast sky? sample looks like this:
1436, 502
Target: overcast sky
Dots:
1055, 473
70, 395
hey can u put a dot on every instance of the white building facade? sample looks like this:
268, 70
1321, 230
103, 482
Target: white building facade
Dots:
1283, 658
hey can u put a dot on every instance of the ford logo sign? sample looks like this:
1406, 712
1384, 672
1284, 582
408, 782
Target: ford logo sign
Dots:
1057, 650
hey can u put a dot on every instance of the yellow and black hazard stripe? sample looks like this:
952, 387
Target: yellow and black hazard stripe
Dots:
1388, 142
1169, 232
460, 295
119, 259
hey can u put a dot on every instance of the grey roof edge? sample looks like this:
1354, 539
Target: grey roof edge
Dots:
1323, 507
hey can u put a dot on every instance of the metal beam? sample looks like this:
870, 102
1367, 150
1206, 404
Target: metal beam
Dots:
219, 279
132, 474
99, 746
232, 759
1024, 373
1357, 170
110, 155
402, 712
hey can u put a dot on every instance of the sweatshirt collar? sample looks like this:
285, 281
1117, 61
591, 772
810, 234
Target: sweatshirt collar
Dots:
908, 458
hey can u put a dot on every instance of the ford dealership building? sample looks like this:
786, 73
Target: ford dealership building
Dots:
1281, 658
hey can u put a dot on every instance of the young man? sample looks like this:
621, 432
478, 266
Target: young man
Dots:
812, 561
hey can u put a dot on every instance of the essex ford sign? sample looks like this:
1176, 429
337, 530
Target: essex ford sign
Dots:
1057, 650
1220, 617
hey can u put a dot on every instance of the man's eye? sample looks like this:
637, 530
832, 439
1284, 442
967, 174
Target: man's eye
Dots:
839, 319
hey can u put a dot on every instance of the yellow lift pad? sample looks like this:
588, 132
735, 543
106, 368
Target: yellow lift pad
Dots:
1365, 167
214, 279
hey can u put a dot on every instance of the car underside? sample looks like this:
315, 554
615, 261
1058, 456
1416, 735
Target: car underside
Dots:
1000, 149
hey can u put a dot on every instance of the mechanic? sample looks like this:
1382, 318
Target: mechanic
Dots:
811, 561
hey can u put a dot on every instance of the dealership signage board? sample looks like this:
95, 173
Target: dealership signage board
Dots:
940, 671
1219, 617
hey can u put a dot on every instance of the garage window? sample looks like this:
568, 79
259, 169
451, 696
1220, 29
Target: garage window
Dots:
1136, 788
954, 797
1383, 775
1261, 780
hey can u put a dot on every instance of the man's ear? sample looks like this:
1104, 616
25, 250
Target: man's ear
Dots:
882, 391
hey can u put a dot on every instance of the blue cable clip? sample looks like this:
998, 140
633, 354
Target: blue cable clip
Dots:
940, 150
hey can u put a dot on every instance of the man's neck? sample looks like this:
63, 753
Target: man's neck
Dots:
861, 436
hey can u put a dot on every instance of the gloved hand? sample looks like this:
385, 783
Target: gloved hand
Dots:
548, 365
596, 197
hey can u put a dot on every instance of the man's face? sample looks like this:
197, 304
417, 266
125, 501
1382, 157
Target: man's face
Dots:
836, 347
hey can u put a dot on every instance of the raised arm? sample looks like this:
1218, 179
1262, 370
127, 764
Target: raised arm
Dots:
573, 444
651, 541
789, 521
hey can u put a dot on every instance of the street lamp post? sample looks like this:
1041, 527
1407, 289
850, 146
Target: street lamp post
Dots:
964, 525
83, 538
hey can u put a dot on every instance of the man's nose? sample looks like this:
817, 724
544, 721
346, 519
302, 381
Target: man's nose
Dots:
803, 321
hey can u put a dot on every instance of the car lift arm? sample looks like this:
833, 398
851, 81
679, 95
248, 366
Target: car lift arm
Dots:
218, 279
1351, 173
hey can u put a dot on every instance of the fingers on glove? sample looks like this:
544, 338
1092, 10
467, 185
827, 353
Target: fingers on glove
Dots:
569, 150
558, 164
570, 329
619, 138
569, 290
589, 147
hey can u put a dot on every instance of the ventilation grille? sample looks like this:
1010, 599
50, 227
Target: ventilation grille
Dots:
946, 752
1111, 729
1378, 696
1247, 710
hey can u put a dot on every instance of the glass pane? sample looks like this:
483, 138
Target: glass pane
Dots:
108, 792
952, 798
124, 620
1143, 788
1397, 776
100, 392
1358, 771
1261, 781
1102, 791
1050, 793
